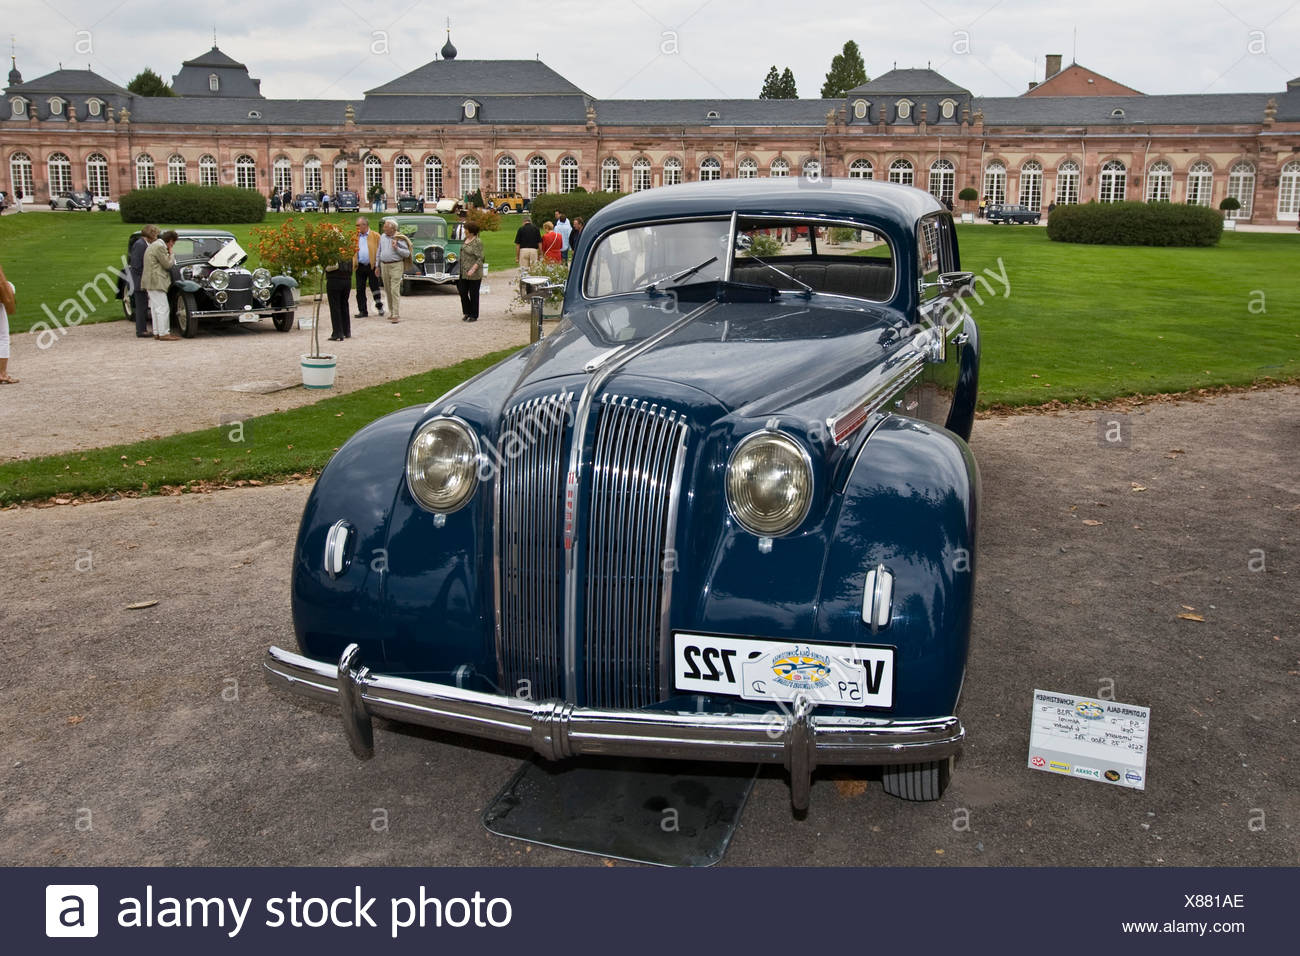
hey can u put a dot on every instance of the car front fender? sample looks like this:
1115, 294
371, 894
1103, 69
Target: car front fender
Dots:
186, 285
290, 281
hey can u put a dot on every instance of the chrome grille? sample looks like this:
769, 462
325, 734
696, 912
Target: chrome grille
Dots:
530, 547
635, 475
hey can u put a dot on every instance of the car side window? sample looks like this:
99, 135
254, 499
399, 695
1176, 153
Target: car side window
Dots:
935, 253
844, 259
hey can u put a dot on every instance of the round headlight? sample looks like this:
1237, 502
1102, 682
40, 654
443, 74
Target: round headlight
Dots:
451, 257
221, 295
442, 465
769, 483
218, 279
419, 257
261, 278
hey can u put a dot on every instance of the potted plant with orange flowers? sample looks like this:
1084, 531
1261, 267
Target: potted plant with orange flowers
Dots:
303, 249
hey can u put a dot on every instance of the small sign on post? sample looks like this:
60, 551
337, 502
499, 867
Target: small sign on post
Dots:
1095, 739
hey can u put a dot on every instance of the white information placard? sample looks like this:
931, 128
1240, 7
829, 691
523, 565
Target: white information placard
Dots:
1095, 739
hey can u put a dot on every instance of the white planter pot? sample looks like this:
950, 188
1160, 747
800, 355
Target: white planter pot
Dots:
1230, 225
318, 372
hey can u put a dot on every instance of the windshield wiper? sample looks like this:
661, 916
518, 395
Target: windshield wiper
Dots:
653, 287
807, 289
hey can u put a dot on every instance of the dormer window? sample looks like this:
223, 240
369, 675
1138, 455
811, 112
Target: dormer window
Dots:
214, 82
254, 114
903, 109
1117, 113
860, 108
947, 108
56, 106
470, 109
18, 106
713, 114
94, 107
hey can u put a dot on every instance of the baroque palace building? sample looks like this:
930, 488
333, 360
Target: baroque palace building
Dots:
453, 126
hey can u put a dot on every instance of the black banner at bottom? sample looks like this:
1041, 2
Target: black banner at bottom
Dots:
633, 911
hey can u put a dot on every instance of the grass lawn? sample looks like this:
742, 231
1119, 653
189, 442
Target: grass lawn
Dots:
50, 256
1097, 322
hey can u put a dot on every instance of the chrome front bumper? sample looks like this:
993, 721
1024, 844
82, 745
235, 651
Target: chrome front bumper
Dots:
438, 278
797, 740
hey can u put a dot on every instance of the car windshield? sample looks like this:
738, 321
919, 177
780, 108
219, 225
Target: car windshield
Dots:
199, 247
433, 229
787, 254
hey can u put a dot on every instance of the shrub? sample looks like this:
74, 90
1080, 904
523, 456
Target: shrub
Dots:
475, 198
1230, 204
575, 203
487, 220
1135, 224
193, 204
969, 194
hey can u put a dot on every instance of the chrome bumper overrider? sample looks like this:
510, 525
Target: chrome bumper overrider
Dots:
798, 740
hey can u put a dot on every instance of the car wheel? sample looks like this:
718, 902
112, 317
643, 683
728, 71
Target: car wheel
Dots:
128, 302
921, 782
183, 309
284, 319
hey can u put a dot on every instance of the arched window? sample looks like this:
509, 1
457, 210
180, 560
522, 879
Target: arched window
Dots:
20, 174
1160, 182
433, 178
144, 173
282, 174
340, 175
1288, 191
1200, 183
903, 110
176, 169
97, 174
1114, 180
1031, 185
1067, 183
56, 106
748, 169
943, 179
312, 178
610, 175
568, 174
537, 176
672, 172
710, 170
861, 169
403, 176
812, 169
373, 169
207, 170
471, 175
507, 177
214, 83
995, 183
860, 109
640, 175
59, 168
779, 169
245, 172
900, 171
1241, 187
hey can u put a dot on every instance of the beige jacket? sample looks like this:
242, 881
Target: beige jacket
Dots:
158, 264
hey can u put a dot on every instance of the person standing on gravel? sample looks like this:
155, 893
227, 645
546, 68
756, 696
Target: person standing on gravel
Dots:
158, 262
394, 250
135, 263
471, 273
8, 306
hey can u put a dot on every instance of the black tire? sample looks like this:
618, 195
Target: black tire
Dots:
183, 309
919, 782
128, 301
283, 319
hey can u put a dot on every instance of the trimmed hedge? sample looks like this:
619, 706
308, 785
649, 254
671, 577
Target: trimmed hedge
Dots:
205, 204
543, 207
1135, 224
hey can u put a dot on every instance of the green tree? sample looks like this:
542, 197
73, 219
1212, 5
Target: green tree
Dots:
847, 71
771, 86
788, 89
149, 83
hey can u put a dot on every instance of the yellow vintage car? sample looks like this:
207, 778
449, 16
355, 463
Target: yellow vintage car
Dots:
506, 203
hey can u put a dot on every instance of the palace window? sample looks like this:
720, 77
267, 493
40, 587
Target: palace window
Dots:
710, 170
903, 110
812, 169
18, 106
20, 174
282, 175
1067, 183
779, 169
56, 106
471, 175
672, 172
1160, 182
640, 175
1114, 179
1288, 191
1031, 185
1200, 183
97, 174
403, 176
860, 108
995, 183
94, 107
537, 176
373, 169
433, 178
245, 172
568, 174
900, 171
861, 169
313, 180
947, 109
144, 172
59, 168
176, 169
340, 175
748, 169
208, 170
610, 177
507, 177
214, 83
943, 180
1241, 187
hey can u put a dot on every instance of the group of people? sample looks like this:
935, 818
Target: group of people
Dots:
150, 262
284, 200
554, 242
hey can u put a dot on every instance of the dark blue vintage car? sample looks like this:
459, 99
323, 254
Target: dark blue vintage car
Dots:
725, 511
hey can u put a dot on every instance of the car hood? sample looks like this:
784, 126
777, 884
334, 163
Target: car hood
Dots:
756, 358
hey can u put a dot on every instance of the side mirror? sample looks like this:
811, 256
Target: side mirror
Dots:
955, 283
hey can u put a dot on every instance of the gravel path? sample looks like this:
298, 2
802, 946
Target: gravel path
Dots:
99, 385
147, 737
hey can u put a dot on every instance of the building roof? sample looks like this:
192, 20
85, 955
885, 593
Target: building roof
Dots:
730, 112
1188, 108
194, 78
545, 109
1076, 80
215, 57
235, 111
908, 81
479, 78
69, 81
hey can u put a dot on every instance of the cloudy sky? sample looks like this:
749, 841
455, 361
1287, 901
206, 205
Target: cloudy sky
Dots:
336, 49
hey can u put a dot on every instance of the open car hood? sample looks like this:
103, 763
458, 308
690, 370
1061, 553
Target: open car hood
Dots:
229, 256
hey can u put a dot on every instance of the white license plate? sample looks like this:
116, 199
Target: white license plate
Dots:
829, 674
254, 317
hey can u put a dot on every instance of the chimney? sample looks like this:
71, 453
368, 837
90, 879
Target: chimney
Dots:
1053, 65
